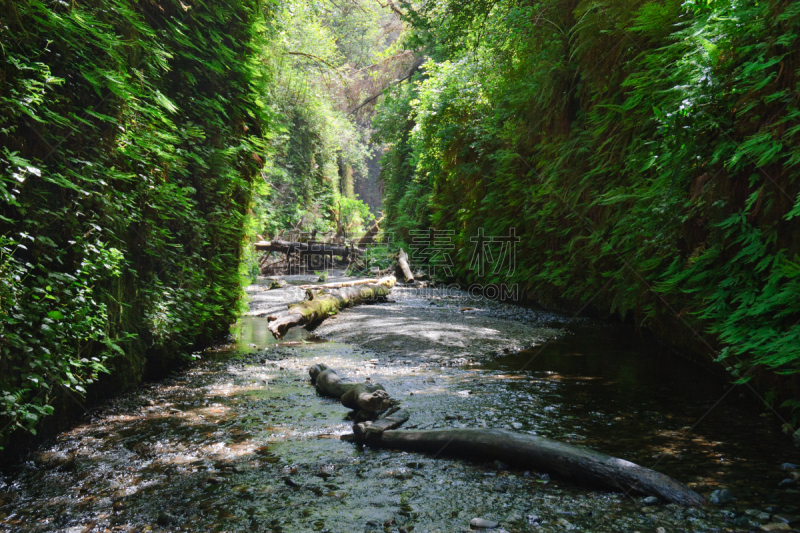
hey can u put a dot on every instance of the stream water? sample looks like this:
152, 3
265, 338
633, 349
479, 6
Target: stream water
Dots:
240, 441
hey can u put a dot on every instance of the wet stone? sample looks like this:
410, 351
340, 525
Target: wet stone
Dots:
721, 497
483, 523
651, 500
776, 526
532, 519
787, 518
51, 460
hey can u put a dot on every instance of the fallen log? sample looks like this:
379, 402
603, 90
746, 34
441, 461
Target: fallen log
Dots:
304, 248
527, 451
356, 396
369, 430
328, 302
402, 262
371, 281
545, 455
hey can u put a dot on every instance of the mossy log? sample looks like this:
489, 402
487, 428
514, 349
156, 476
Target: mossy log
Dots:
327, 302
545, 455
356, 396
405, 268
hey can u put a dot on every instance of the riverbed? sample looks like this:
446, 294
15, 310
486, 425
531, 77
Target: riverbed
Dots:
240, 441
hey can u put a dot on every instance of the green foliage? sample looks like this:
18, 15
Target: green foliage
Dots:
300, 60
128, 135
646, 152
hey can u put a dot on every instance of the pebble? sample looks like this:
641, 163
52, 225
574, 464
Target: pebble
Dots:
721, 497
483, 523
533, 519
651, 500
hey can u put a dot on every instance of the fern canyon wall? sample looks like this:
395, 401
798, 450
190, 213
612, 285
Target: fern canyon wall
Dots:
127, 133
645, 154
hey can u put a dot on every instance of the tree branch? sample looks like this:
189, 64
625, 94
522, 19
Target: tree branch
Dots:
315, 58
378, 95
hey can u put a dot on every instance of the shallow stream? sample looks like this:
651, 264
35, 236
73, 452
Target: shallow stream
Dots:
240, 441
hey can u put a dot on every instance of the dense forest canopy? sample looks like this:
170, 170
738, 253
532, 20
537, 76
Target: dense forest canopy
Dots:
645, 154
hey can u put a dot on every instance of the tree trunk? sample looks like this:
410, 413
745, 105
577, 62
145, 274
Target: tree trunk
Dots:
528, 451
327, 302
402, 262
369, 236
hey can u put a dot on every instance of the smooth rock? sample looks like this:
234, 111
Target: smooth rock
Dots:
483, 523
55, 459
786, 518
721, 496
651, 500
776, 526
500, 465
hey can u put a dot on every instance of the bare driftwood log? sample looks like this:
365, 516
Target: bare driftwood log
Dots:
391, 420
402, 262
371, 281
529, 451
357, 396
327, 302
304, 248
